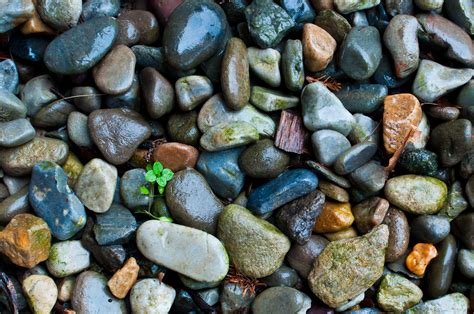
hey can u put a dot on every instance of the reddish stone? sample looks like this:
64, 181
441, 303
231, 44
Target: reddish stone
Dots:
163, 8
176, 156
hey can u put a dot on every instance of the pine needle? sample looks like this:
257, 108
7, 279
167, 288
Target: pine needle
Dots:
329, 82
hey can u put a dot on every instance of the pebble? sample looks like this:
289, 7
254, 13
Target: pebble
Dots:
318, 47
454, 302
301, 257
151, 295
444, 113
361, 52
65, 288
281, 300
256, 247
362, 98
347, 233
459, 13
354, 157
263, 160
300, 11
192, 91
210, 296
78, 130
124, 279
228, 135
265, 63
270, 100
292, 67
9, 79
54, 201
35, 240
182, 128
349, 6
192, 202
15, 133
176, 156
465, 263
338, 276
420, 257
333, 191
335, 24
81, 47
130, 99
13, 205
418, 161
188, 251
92, 295
158, 92
397, 294
15, 184
430, 228
452, 141
334, 217
67, 258
370, 177
53, 115
222, 172
89, 100
116, 226
290, 185
95, 186
297, 218
127, 34
117, 133
130, 184
95, 8
163, 10
15, 13
328, 145
37, 93
329, 175
455, 202
370, 213
399, 234
61, 15
11, 108
323, 110
145, 23
40, 292
461, 228
283, 276
233, 299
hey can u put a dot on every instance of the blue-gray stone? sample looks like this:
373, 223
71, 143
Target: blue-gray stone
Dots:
362, 98
115, 226
16, 132
130, 185
53, 200
222, 172
385, 74
354, 157
11, 108
81, 47
300, 11
30, 48
9, 79
95, 8
290, 185
148, 56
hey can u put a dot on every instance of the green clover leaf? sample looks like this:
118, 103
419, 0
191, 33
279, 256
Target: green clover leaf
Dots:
149, 167
157, 168
167, 174
150, 176
144, 190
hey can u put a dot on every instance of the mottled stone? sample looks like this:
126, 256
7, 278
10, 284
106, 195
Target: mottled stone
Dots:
370, 213
334, 217
124, 279
9, 78
399, 234
67, 258
228, 135
15, 133
455, 303
116, 226
349, 6
333, 23
452, 141
95, 8
460, 12
151, 295
455, 202
281, 300
292, 67
265, 64
233, 299
272, 100
40, 292
362, 98
397, 293
193, 90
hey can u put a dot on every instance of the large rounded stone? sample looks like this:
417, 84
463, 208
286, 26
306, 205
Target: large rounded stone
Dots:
263, 160
151, 295
61, 15
67, 258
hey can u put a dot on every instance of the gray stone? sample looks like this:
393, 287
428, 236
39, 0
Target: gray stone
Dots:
13, 205
234, 300
369, 177
281, 300
365, 129
452, 141
292, 66
151, 295
349, 6
271, 100
460, 12
116, 226
78, 130
283, 276
9, 78
454, 303
193, 90
61, 15
328, 145
263, 160
15, 133
465, 262
130, 185
11, 108
354, 157
265, 64
89, 99
430, 228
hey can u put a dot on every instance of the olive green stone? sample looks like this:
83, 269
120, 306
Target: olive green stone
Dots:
228, 135
292, 66
333, 23
455, 202
263, 160
182, 128
271, 100
11, 108
397, 293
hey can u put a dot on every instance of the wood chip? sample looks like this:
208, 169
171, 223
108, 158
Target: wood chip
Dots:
291, 134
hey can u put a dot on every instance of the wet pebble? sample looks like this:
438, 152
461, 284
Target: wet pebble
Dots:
151, 295
67, 258
429, 228
265, 64
116, 226
362, 98
191, 91
41, 293
281, 300
15, 133
263, 160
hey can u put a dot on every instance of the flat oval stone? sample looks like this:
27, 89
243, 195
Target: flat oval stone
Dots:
18, 161
264, 160
354, 157
292, 67
256, 247
53, 115
188, 251
452, 140
418, 161
114, 73
157, 91
151, 295
130, 99
284, 299
91, 294
318, 47
416, 194
290, 185
13, 205
67, 258
399, 234
265, 64
465, 263
80, 46
283, 276
333, 191
329, 174
15, 133
15, 13
9, 78
176, 156
193, 33
61, 15
271, 100
117, 133
328, 145
222, 172
116, 226
193, 90
228, 135
362, 98
455, 302
370, 177
192, 202
430, 228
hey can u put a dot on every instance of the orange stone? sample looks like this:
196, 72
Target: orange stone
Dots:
26, 240
124, 279
334, 217
402, 112
176, 156
318, 47
420, 257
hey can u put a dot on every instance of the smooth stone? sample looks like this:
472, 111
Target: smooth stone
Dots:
395, 7
439, 274
446, 113
15, 133
346, 268
128, 33
362, 98
454, 303
114, 73
256, 247
212, 67
61, 15
192, 202
433, 80
151, 295
416, 194
188, 251
78, 130
148, 56
460, 12
283, 276
370, 213
95, 8
385, 74
158, 92
117, 133
292, 67
268, 23
80, 46
465, 263
41, 293
318, 47
37, 93
281, 300
20, 160
462, 228
301, 257
455, 202
15, 13
228, 135
28, 48
176, 156
418, 161
323, 110
197, 285
131, 99
354, 157
91, 295
163, 10
429, 5
466, 100
399, 234
116, 226
334, 217
452, 141
191, 91
397, 294
210, 296
53, 115
333, 191
361, 52
349, 6
53, 200
215, 111
233, 299
328, 145
222, 172
430, 228
9, 78
193, 33
263, 160
335, 24
297, 218
347, 233
328, 174
13, 205
67, 258
182, 128
370, 177
145, 23
130, 184
289, 186
401, 40
89, 99
15, 184
264, 63
270, 100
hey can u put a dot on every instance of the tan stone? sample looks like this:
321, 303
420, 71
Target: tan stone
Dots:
334, 217
26, 240
73, 168
348, 233
318, 47
402, 112
176, 156
35, 25
124, 279
333, 191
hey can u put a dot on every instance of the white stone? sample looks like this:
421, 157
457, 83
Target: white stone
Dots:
41, 293
150, 296
67, 258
